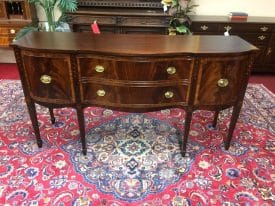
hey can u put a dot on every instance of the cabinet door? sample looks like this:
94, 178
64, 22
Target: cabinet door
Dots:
219, 80
49, 77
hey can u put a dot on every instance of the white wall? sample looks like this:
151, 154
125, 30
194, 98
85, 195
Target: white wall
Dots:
223, 7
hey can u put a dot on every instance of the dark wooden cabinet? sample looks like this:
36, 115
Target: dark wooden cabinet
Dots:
259, 31
14, 15
136, 73
127, 16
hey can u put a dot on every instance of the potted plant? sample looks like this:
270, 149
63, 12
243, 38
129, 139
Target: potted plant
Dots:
179, 11
50, 7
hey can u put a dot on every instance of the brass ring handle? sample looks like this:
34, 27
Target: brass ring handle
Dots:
171, 70
227, 28
46, 79
264, 28
204, 27
223, 82
100, 93
99, 68
261, 37
168, 94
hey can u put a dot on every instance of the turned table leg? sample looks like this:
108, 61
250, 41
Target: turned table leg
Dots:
234, 118
81, 123
52, 115
33, 117
183, 143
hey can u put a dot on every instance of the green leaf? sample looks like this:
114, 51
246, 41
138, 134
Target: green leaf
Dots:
22, 32
182, 29
67, 5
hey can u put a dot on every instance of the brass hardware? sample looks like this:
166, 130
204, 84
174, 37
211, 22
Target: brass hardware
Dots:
261, 37
227, 28
168, 94
45, 79
204, 27
100, 93
223, 82
264, 28
269, 51
12, 31
171, 70
99, 68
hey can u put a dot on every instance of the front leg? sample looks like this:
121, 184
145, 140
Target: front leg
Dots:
33, 117
183, 143
234, 118
81, 123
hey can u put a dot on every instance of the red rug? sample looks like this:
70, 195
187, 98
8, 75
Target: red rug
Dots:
134, 159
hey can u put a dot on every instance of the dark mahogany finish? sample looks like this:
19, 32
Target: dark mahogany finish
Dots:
136, 73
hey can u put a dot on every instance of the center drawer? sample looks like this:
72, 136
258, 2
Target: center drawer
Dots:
147, 70
134, 95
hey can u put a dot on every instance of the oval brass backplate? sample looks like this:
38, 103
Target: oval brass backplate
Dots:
171, 70
99, 68
45, 79
100, 92
168, 94
223, 82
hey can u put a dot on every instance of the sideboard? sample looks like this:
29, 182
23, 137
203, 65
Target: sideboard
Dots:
135, 73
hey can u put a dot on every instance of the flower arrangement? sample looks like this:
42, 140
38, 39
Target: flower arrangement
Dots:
179, 11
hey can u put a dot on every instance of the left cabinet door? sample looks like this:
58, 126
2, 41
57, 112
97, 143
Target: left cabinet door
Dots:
49, 77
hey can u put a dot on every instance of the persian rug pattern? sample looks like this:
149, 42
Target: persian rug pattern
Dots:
134, 159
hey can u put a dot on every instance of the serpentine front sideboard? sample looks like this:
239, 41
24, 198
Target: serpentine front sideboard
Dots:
135, 73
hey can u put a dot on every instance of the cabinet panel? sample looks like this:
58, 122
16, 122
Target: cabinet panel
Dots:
49, 77
136, 95
220, 80
171, 69
3, 13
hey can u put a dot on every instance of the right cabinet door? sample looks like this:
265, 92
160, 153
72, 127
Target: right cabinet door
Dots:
220, 80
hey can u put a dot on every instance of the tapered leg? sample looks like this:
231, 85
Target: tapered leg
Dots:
216, 118
234, 118
81, 123
183, 143
52, 115
33, 116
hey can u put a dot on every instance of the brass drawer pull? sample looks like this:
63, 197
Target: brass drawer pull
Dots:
204, 27
99, 68
12, 31
227, 28
223, 82
261, 37
100, 93
171, 70
45, 79
264, 28
168, 94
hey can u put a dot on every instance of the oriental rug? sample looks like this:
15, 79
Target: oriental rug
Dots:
134, 158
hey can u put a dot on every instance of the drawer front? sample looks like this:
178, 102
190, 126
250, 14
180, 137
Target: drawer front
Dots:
9, 31
88, 19
245, 27
137, 96
144, 21
219, 80
204, 27
171, 69
255, 38
49, 77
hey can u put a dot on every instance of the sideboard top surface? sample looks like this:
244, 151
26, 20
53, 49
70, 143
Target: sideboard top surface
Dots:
134, 45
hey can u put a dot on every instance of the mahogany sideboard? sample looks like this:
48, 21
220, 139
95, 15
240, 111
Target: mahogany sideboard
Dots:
135, 73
